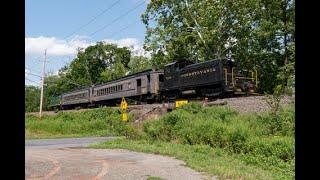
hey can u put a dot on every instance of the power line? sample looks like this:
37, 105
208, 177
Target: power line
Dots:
36, 72
93, 19
115, 20
32, 81
124, 28
33, 74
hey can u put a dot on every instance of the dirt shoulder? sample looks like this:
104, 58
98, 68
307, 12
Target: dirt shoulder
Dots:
62, 160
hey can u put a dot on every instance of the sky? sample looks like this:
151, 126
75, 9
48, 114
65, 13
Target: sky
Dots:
61, 26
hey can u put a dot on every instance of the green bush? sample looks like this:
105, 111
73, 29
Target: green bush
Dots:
100, 122
251, 137
280, 147
282, 124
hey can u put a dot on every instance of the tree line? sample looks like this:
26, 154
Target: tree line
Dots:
257, 34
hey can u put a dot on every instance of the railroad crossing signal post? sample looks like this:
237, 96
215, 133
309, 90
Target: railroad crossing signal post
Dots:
42, 81
123, 108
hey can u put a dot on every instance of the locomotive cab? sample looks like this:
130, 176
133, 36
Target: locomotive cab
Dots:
239, 81
171, 73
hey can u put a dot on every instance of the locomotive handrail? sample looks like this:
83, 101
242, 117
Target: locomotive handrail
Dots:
226, 75
256, 78
232, 77
239, 77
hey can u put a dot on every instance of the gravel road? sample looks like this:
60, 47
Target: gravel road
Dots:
69, 159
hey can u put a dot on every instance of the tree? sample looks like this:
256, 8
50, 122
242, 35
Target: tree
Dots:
138, 63
87, 67
32, 98
259, 34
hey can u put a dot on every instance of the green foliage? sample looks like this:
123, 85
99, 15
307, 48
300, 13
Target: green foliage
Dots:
286, 74
32, 98
87, 67
258, 34
282, 124
95, 64
138, 63
154, 178
261, 140
96, 122
203, 158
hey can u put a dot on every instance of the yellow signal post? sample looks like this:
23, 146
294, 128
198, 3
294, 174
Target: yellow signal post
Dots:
180, 103
123, 107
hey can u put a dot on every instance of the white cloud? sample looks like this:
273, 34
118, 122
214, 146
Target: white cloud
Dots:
59, 47
54, 46
26, 71
132, 43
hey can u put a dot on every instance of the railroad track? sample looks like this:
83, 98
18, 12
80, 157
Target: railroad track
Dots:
241, 103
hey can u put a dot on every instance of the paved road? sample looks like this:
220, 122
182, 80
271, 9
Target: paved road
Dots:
69, 159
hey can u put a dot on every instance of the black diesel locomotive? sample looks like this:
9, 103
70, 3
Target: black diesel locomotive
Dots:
215, 78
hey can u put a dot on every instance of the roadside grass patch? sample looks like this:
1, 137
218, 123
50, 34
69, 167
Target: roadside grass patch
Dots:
97, 122
220, 141
154, 178
203, 158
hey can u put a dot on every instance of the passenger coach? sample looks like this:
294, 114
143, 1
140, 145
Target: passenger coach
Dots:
141, 86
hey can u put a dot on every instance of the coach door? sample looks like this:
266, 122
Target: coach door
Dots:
138, 86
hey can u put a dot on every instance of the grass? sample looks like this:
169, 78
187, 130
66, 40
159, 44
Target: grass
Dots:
215, 140
219, 141
154, 178
203, 158
98, 122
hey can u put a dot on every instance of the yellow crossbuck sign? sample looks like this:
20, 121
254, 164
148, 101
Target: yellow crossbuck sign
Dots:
123, 107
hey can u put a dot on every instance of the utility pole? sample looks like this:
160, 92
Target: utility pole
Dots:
42, 82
